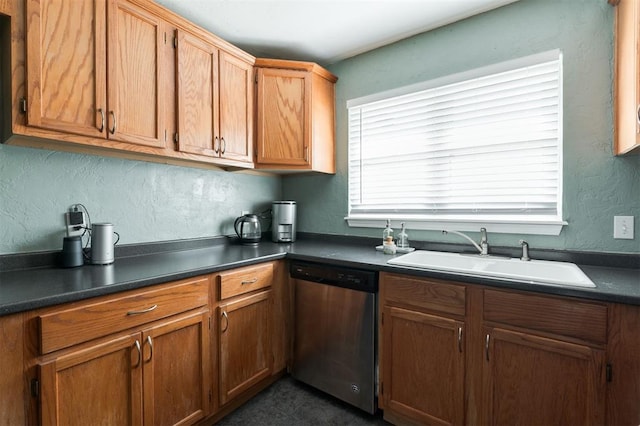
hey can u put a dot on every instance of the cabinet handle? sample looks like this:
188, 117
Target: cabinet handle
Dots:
101, 111
216, 145
486, 347
144, 311
253, 281
638, 114
113, 129
150, 343
223, 145
460, 339
139, 349
226, 324
306, 154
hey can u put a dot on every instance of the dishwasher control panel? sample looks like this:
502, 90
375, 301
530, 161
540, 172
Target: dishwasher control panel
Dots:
356, 279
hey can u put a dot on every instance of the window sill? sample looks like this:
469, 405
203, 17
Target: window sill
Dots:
550, 226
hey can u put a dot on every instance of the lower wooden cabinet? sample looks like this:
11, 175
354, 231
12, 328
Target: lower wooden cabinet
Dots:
245, 327
423, 366
245, 343
456, 354
534, 380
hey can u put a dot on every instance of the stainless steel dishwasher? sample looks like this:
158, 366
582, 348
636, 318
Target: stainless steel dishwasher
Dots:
335, 331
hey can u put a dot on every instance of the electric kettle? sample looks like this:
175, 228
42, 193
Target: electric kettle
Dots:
248, 229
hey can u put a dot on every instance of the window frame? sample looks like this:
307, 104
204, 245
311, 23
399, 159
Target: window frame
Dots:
516, 224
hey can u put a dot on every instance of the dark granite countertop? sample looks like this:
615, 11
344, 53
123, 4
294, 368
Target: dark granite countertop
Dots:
25, 289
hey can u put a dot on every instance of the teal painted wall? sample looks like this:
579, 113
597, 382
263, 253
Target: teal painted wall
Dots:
597, 185
145, 201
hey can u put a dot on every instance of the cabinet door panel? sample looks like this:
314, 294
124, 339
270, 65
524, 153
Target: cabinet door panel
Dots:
197, 82
245, 343
423, 371
535, 380
135, 75
284, 98
176, 370
101, 384
236, 108
66, 72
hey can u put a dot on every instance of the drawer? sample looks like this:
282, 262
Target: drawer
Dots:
89, 320
244, 280
565, 317
427, 293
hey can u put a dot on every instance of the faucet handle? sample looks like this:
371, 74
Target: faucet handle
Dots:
525, 250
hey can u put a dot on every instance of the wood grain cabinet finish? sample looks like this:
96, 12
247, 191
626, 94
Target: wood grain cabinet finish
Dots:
295, 108
95, 68
157, 370
627, 77
215, 101
245, 321
452, 353
422, 351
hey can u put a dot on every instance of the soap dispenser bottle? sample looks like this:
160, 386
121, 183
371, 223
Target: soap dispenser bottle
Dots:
403, 238
387, 232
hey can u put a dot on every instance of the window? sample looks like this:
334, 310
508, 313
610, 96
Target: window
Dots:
478, 148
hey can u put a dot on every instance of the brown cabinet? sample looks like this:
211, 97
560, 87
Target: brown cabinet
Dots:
295, 124
155, 373
245, 318
627, 77
423, 350
456, 354
215, 101
89, 78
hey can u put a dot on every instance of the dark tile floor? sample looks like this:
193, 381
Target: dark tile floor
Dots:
289, 402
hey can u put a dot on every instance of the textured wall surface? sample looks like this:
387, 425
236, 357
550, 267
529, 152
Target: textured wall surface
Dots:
145, 201
597, 185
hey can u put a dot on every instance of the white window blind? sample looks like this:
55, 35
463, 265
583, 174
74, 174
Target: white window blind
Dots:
487, 147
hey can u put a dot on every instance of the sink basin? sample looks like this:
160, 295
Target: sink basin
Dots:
533, 271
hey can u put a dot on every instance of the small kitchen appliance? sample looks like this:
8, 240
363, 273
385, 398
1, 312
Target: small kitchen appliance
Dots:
283, 229
248, 229
72, 255
102, 244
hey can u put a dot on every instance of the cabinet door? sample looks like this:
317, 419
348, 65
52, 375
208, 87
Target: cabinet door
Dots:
136, 92
423, 366
284, 104
245, 343
99, 384
66, 66
177, 370
198, 96
534, 380
236, 108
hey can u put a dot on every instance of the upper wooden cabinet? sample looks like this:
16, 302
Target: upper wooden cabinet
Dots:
295, 108
215, 101
627, 78
91, 78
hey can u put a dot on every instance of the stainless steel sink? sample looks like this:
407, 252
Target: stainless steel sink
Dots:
533, 271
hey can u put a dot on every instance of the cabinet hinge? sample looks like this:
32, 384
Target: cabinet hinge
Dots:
23, 105
35, 388
609, 373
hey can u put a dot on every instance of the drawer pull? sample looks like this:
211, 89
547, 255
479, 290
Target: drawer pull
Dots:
150, 343
144, 311
139, 349
253, 281
226, 324
460, 339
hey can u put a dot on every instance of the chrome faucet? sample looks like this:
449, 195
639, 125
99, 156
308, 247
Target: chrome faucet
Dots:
483, 248
525, 251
